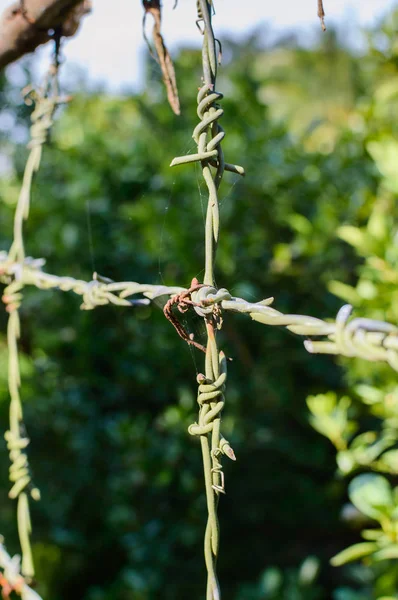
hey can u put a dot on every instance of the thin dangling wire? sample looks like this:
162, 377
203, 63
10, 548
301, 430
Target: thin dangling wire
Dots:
46, 99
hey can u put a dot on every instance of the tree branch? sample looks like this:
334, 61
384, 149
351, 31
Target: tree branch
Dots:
25, 25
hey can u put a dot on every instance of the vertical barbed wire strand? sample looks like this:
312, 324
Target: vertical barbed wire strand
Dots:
17, 441
208, 135
206, 98
45, 100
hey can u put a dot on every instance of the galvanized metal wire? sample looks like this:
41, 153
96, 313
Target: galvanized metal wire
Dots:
45, 100
11, 578
97, 292
208, 135
369, 339
16, 438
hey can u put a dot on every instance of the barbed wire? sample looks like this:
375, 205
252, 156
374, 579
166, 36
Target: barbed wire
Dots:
16, 439
208, 135
45, 100
369, 339
353, 337
11, 578
98, 292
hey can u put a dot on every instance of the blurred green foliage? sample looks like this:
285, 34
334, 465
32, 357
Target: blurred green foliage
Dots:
109, 394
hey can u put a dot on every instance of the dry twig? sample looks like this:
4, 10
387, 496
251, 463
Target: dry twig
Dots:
26, 25
321, 14
166, 64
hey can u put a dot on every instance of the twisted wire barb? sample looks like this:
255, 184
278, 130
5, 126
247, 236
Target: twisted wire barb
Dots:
209, 152
98, 292
369, 339
211, 402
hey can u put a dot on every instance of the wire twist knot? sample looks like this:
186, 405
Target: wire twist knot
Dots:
12, 296
209, 392
42, 121
209, 112
19, 468
207, 297
46, 101
211, 402
95, 295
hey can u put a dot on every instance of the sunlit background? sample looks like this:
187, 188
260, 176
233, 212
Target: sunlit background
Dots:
109, 46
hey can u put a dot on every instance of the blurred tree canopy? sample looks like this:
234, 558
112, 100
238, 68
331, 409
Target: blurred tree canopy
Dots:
109, 394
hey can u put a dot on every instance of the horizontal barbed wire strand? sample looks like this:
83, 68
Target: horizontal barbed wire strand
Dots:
380, 336
369, 339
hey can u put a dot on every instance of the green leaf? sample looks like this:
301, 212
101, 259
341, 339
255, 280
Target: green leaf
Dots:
322, 404
346, 461
385, 154
390, 461
367, 290
271, 581
364, 439
353, 236
372, 495
369, 394
309, 570
330, 417
344, 291
354, 553
372, 534
300, 223
386, 553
